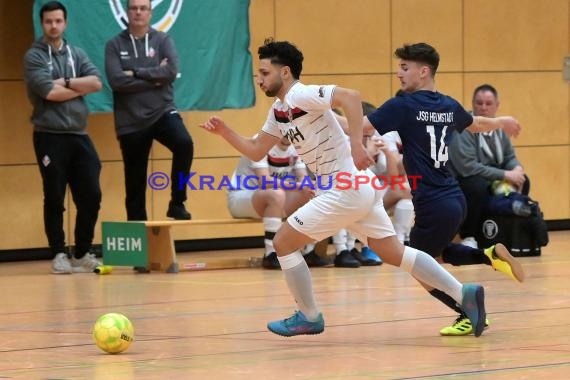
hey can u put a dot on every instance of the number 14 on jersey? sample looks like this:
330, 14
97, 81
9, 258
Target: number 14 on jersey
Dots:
438, 149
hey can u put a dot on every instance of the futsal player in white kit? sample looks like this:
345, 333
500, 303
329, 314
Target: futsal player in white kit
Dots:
303, 113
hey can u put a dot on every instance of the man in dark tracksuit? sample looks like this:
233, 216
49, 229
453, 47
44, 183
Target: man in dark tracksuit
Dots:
141, 64
57, 76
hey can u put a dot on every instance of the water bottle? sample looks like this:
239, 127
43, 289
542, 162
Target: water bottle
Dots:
254, 262
103, 269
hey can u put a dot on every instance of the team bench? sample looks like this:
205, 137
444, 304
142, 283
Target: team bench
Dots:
149, 245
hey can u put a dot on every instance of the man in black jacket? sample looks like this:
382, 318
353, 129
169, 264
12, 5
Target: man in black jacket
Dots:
141, 64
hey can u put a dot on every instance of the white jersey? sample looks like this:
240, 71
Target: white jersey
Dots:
392, 141
278, 162
306, 118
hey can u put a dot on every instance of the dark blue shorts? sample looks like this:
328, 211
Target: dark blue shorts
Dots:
437, 223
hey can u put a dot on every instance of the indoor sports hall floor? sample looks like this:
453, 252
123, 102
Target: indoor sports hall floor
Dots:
210, 324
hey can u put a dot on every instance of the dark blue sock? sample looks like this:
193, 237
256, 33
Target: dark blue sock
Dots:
446, 299
459, 254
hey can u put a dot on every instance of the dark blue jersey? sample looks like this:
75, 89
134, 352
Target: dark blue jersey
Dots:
425, 121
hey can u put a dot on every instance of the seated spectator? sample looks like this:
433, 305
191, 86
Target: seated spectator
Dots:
261, 196
397, 197
479, 159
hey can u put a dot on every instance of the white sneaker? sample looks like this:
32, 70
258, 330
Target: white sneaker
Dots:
86, 264
470, 242
60, 264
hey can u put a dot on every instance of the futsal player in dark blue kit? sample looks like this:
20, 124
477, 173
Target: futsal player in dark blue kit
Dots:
425, 120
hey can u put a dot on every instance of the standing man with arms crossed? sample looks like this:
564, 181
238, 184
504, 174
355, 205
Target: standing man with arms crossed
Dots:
304, 114
141, 64
425, 120
57, 77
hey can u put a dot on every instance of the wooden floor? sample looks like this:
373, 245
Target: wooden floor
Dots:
210, 324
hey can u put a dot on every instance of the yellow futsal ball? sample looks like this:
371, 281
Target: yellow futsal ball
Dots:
113, 333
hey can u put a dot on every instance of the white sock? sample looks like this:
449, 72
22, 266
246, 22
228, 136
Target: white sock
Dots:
271, 225
424, 268
350, 241
298, 278
403, 218
339, 241
308, 248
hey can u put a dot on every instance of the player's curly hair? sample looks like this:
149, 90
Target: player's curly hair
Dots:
282, 53
420, 52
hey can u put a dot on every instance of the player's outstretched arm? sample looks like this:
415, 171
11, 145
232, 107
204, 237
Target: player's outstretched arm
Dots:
255, 148
484, 124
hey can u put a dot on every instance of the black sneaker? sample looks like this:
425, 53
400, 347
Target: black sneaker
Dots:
314, 260
178, 211
345, 260
270, 261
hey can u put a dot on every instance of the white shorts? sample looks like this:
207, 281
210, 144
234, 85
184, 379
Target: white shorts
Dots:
359, 211
240, 205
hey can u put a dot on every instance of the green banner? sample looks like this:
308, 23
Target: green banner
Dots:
125, 243
211, 37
